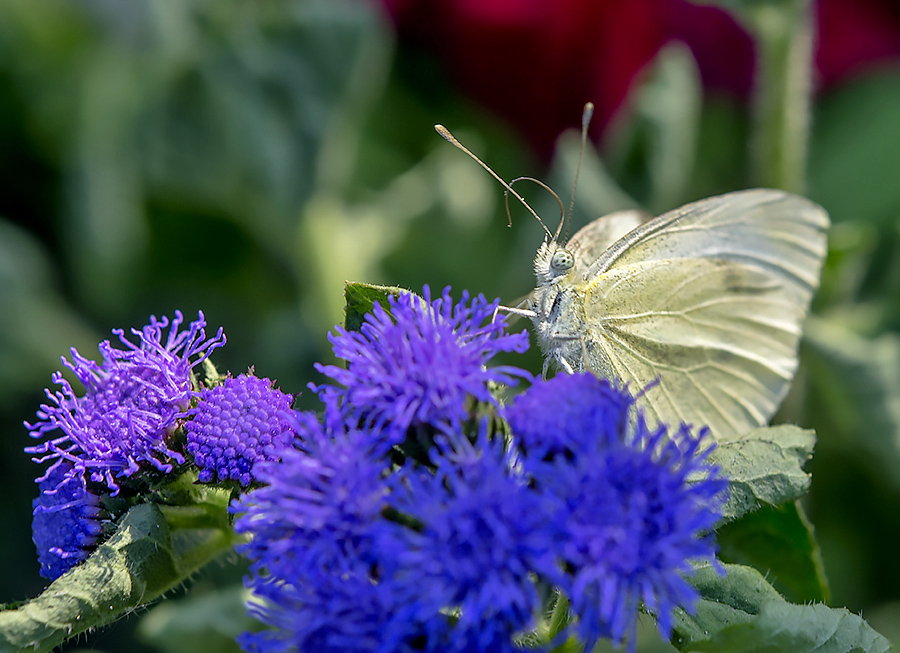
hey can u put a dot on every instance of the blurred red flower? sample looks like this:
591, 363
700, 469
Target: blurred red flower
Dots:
855, 35
536, 62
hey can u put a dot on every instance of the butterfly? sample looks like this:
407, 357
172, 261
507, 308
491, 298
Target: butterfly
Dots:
702, 307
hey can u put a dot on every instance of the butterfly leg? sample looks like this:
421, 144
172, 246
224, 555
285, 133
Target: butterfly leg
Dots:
564, 365
524, 312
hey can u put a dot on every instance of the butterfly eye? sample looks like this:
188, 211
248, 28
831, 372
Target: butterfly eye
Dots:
562, 260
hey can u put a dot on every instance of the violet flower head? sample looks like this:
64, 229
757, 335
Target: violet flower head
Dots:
419, 360
640, 506
66, 523
236, 425
484, 536
346, 613
132, 401
313, 525
569, 413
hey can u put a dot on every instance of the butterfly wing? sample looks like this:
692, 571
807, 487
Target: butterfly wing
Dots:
592, 240
709, 299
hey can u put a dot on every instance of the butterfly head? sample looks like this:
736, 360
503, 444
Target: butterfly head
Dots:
552, 262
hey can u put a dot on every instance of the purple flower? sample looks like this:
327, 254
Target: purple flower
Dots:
418, 361
132, 401
640, 504
348, 557
236, 425
484, 536
350, 553
569, 413
317, 503
340, 613
66, 522
313, 527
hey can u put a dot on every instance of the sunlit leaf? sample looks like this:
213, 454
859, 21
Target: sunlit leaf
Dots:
765, 468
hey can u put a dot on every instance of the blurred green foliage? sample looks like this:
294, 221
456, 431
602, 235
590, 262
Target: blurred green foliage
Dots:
245, 159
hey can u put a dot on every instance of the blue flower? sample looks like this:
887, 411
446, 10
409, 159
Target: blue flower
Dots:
66, 522
418, 361
236, 425
132, 402
569, 413
640, 505
340, 613
484, 535
313, 528
317, 503
347, 556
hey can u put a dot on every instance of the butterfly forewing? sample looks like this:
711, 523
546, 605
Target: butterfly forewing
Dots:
708, 299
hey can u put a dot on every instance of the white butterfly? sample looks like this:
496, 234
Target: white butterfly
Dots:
707, 301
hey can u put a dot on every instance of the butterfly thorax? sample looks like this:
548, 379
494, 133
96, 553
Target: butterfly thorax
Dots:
558, 307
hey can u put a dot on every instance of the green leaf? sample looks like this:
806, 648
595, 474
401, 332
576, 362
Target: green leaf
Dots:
741, 612
798, 629
360, 298
141, 561
734, 598
764, 467
779, 542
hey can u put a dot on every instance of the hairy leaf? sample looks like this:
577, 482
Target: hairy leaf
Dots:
741, 612
360, 298
779, 542
141, 561
765, 468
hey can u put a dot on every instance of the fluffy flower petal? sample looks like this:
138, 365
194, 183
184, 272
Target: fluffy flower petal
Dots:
131, 403
417, 361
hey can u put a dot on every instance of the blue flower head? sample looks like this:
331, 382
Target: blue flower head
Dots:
131, 403
640, 506
313, 525
346, 556
418, 361
484, 535
338, 613
66, 523
236, 425
569, 413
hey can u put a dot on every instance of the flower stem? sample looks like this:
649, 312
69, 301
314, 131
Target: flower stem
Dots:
140, 562
559, 618
783, 32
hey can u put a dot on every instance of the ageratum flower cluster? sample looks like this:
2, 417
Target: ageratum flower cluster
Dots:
639, 504
352, 550
121, 425
242, 422
132, 401
418, 361
125, 429
67, 521
358, 544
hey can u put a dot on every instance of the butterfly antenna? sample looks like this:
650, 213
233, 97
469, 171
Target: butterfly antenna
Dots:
562, 210
443, 131
585, 122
